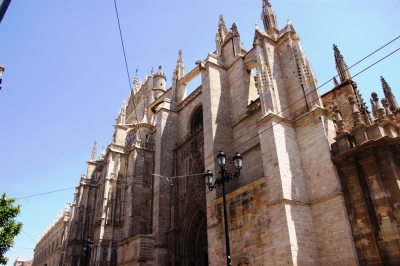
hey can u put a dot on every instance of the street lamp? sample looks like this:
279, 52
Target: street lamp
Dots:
224, 176
87, 247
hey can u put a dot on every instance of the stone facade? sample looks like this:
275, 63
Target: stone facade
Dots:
50, 246
319, 183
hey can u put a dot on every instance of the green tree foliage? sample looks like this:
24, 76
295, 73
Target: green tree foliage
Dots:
9, 228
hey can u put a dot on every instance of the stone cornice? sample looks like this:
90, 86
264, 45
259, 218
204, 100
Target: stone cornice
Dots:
146, 125
116, 148
365, 146
270, 116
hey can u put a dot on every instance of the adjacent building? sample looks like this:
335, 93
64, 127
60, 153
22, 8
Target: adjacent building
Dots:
319, 184
50, 246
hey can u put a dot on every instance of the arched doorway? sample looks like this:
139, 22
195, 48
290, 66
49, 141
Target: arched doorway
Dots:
194, 237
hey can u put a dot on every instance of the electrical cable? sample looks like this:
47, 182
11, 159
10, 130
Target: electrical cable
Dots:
170, 179
28, 235
174, 177
44, 193
21, 248
122, 42
126, 65
312, 92
300, 108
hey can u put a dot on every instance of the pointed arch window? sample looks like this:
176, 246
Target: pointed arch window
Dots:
197, 119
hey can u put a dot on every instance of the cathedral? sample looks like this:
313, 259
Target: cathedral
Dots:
319, 184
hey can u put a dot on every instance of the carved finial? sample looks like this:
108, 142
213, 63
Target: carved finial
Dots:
152, 71
355, 112
234, 31
380, 111
174, 75
179, 55
94, 150
66, 207
266, 3
1, 73
341, 66
335, 81
180, 68
101, 157
389, 95
373, 107
83, 176
222, 31
268, 16
160, 71
339, 120
144, 120
389, 113
135, 86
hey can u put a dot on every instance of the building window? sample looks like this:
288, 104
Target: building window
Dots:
197, 120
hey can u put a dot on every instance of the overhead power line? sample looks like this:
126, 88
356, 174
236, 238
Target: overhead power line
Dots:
314, 91
28, 235
169, 179
122, 42
45, 193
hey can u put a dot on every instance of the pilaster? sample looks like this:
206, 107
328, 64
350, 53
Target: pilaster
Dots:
287, 192
165, 139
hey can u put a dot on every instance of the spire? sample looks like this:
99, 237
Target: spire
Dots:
145, 120
341, 66
101, 157
1, 73
222, 32
306, 73
234, 31
379, 110
339, 120
355, 113
159, 72
180, 68
123, 112
135, 87
389, 96
94, 150
389, 115
268, 16
335, 82
264, 82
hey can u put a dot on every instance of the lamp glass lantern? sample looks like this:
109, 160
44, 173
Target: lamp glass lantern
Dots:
238, 160
221, 158
209, 177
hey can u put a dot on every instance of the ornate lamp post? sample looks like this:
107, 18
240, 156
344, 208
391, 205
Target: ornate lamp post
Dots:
224, 176
87, 247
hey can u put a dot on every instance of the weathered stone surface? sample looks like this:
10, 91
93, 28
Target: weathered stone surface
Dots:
319, 184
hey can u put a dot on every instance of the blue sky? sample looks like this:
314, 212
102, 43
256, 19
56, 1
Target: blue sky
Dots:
65, 76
